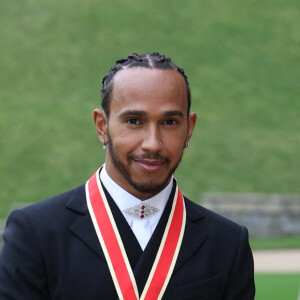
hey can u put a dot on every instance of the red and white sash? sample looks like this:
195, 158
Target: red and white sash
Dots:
115, 253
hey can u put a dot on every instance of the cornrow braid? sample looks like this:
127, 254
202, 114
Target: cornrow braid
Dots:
153, 60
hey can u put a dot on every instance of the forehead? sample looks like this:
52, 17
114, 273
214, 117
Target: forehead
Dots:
144, 87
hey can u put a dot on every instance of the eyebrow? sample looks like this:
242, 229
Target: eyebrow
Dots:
169, 113
132, 112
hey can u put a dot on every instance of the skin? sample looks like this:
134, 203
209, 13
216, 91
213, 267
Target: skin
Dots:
147, 129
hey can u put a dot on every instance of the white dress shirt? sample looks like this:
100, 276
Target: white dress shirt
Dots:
142, 228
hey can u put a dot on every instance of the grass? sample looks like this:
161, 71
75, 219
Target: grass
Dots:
241, 58
275, 243
277, 286
241, 61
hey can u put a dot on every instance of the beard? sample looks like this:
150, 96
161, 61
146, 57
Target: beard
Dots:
149, 186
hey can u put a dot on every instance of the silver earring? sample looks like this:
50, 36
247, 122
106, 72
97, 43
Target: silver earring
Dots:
186, 144
160, 143
102, 141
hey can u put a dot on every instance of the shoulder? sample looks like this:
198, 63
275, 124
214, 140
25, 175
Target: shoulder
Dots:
225, 247
222, 235
50, 212
33, 238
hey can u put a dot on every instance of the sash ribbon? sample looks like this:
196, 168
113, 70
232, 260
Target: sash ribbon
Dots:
114, 251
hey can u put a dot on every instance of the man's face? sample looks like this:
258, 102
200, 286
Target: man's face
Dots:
147, 129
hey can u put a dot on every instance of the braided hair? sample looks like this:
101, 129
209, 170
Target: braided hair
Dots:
146, 60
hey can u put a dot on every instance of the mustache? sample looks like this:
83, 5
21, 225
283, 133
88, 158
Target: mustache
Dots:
152, 156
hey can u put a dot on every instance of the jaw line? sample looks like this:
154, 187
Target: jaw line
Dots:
149, 187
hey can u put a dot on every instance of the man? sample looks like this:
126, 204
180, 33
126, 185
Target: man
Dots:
128, 233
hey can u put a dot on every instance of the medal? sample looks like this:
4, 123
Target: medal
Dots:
114, 251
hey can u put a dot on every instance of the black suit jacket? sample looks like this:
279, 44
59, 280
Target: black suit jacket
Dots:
51, 251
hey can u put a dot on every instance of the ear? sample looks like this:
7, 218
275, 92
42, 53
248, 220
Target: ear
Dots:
100, 120
191, 124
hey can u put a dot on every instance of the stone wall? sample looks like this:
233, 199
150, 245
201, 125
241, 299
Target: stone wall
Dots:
265, 215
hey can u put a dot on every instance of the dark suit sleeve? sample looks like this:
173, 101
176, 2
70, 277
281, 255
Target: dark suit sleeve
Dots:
22, 270
241, 280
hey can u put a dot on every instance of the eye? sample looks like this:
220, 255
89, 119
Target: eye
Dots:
133, 121
170, 122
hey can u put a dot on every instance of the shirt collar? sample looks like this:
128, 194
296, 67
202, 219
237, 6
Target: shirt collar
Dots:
125, 200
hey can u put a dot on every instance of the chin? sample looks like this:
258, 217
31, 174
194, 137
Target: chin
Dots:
149, 187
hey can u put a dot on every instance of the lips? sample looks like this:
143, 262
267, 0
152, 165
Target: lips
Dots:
150, 164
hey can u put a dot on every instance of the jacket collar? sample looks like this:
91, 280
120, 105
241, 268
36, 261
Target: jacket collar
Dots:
83, 227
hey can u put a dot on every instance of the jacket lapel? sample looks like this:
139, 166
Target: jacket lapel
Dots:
193, 238
82, 226
84, 229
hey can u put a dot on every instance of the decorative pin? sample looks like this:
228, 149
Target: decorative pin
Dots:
141, 211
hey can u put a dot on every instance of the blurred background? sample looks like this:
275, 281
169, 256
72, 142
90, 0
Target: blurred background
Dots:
242, 60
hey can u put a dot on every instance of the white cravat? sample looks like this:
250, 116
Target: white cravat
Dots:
142, 228
142, 231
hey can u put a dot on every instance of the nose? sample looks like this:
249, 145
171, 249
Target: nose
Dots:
152, 140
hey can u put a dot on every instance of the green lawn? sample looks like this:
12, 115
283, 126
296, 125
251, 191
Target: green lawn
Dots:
275, 243
277, 286
242, 59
